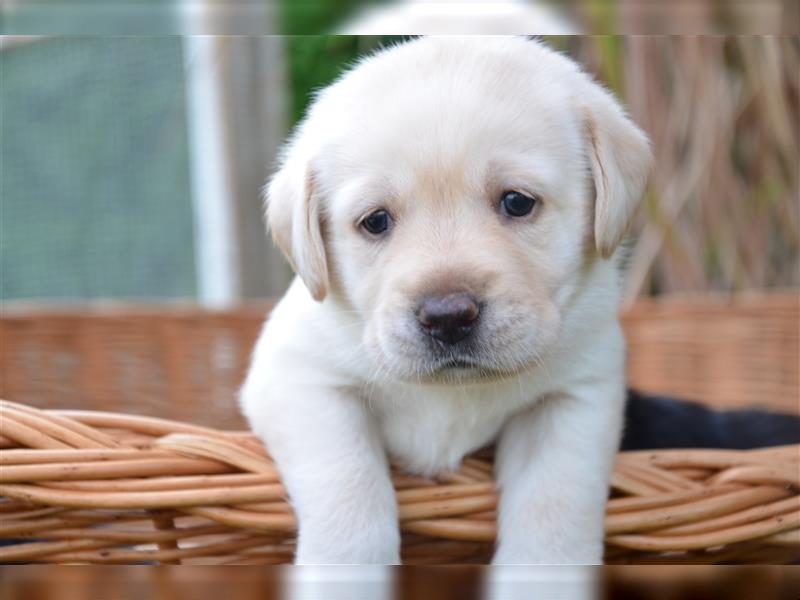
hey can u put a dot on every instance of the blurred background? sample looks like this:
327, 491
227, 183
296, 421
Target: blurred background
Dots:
132, 166
135, 271
132, 170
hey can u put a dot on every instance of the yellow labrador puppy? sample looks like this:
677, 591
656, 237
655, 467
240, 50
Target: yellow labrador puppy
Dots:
452, 207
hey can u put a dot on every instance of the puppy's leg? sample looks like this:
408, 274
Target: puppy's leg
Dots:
328, 452
554, 464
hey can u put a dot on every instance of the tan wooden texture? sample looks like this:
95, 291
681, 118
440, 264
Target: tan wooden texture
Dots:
187, 364
177, 362
81, 486
727, 353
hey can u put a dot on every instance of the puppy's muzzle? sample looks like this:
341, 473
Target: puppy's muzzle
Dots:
449, 318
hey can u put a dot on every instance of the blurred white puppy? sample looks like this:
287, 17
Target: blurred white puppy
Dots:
446, 17
452, 207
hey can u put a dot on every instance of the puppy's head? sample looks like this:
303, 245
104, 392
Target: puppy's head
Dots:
451, 191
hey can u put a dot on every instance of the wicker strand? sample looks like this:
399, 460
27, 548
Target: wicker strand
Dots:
108, 488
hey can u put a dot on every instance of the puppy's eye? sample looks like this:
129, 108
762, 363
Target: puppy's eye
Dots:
515, 204
377, 222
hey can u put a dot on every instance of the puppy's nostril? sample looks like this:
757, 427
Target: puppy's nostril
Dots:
448, 318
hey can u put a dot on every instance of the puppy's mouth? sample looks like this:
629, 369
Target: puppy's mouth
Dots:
465, 369
414, 358
460, 369
456, 364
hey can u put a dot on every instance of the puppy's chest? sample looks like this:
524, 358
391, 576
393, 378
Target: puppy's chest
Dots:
429, 432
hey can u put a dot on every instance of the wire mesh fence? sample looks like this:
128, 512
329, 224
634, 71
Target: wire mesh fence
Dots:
95, 181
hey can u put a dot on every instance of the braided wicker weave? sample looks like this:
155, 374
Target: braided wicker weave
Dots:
186, 364
99, 487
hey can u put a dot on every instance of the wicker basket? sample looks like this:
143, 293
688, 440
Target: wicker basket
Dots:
186, 364
103, 487
96, 487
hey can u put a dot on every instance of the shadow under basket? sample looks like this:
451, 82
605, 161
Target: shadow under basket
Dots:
101, 487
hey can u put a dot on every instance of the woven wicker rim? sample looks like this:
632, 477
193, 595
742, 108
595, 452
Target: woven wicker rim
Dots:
81, 483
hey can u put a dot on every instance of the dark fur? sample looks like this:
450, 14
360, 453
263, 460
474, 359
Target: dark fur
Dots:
653, 422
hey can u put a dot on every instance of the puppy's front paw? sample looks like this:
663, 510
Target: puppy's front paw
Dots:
337, 556
579, 553
376, 548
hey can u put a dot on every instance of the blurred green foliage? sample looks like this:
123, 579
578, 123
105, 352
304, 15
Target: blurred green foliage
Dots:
317, 60
302, 17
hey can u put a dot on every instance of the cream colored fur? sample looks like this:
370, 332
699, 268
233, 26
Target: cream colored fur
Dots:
342, 379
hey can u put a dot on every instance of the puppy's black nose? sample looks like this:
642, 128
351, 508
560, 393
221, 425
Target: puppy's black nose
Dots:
448, 318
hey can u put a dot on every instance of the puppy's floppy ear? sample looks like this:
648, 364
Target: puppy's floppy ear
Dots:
294, 218
620, 160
